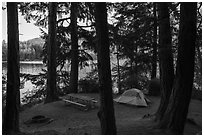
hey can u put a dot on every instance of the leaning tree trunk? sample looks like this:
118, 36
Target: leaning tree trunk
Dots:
74, 50
154, 57
11, 116
165, 58
106, 112
51, 74
177, 110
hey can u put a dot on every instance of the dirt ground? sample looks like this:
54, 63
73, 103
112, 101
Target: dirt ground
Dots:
68, 120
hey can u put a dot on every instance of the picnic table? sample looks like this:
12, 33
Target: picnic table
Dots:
82, 102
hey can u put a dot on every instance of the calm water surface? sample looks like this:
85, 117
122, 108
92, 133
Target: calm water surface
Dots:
28, 67
35, 67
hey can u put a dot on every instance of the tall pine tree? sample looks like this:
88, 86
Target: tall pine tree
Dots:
51, 67
165, 58
106, 112
11, 116
176, 113
74, 49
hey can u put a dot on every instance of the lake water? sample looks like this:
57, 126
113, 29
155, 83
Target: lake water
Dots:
35, 67
28, 67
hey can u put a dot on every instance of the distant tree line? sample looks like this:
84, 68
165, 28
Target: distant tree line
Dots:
30, 50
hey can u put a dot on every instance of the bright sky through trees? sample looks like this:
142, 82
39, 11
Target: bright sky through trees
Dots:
26, 30
29, 30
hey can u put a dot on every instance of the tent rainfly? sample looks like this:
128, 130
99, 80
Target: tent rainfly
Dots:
133, 97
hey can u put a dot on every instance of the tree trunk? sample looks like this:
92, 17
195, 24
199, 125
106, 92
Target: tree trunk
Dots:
51, 76
154, 57
165, 58
177, 110
118, 69
11, 116
74, 49
106, 112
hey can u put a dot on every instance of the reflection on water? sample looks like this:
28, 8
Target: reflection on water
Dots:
31, 67
35, 67
28, 67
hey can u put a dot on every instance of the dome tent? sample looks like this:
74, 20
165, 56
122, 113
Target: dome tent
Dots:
133, 97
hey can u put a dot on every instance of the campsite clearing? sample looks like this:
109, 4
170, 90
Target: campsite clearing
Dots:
69, 120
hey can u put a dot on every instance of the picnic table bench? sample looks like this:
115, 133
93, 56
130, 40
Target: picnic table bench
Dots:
79, 105
82, 102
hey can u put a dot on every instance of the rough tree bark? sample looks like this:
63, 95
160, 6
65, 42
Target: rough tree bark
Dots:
106, 112
74, 50
51, 67
165, 58
177, 110
11, 116
154, 57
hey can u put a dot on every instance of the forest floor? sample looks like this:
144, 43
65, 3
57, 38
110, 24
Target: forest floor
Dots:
68, 120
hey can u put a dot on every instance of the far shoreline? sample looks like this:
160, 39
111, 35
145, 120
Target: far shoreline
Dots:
28, 62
